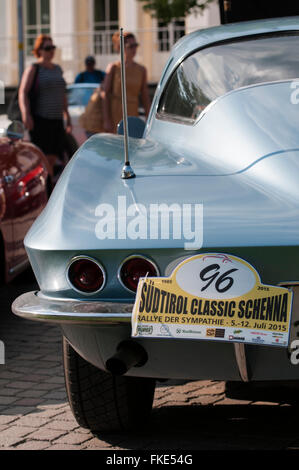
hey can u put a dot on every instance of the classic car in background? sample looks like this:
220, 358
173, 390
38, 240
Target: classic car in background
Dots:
216, 275
23, 195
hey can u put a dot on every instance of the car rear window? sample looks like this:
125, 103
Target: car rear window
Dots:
213, 71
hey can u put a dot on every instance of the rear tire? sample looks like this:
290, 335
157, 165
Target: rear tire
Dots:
103, 402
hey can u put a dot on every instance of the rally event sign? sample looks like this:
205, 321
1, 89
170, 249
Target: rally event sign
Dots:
213, 296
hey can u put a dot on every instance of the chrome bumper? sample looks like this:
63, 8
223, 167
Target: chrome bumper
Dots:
35, 306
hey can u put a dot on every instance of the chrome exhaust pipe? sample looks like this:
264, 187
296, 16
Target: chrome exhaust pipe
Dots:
128, 354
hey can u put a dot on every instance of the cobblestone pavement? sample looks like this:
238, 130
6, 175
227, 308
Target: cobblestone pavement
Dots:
34, 412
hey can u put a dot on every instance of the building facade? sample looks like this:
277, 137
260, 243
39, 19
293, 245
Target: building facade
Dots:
85, 27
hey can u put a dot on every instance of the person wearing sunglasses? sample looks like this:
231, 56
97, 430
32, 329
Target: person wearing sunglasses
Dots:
136, 85
43, 102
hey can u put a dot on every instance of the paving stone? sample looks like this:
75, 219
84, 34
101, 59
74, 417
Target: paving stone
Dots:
31, 393
63, 425
10, 375
46, 434
3, 427
74, 438
7, 419
8, 392
63, 447
4, 400
52, 358
33, 378
28, 357
79, 429
47, 386
28, 402
66, 416
14, 435
17, 411
3, 382
208, 399
22, 385
56, 380
97, 444
32, 420
32, 445
47, 413
56, 395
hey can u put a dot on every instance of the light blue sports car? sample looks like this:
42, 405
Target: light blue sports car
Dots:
189, 270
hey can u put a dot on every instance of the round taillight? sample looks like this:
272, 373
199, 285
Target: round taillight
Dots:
133, 268
86, 275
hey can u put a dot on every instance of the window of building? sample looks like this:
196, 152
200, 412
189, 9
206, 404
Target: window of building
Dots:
37, 21
105, 24
169, 34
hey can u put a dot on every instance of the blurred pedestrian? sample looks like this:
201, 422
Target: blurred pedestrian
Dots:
44, 113
136, 84
91, 74
92, 118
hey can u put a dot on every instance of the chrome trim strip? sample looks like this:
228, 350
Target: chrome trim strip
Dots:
127, 259
240, 354
32, 307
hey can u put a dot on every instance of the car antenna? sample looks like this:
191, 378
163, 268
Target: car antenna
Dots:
127, 171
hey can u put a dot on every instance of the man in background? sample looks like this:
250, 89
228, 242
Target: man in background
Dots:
91, 74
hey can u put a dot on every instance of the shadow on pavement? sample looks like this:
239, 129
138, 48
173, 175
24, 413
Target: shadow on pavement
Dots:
232, 427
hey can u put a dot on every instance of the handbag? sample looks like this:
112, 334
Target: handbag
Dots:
13, 110
92, 118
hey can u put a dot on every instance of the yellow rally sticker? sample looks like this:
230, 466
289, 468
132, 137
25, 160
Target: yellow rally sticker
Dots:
213, 296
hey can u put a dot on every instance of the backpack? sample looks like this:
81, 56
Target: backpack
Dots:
13, 110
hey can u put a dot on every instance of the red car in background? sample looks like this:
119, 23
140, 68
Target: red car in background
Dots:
24, 188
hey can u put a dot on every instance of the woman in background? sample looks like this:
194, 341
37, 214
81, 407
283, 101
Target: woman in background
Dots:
136, 85
44, 114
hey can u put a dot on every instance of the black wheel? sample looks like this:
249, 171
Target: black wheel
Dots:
104, 402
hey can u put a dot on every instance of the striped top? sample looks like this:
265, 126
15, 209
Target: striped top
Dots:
51, 88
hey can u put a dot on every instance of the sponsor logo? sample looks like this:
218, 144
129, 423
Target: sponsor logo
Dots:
188, 332
148, 330
165, 331
279, 341
220, 332
258, 333
215, 332
258, 340
239, 338
210, 332
237, 332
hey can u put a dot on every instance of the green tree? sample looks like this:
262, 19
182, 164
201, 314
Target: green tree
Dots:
168, 10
